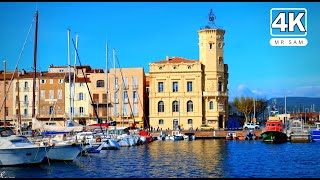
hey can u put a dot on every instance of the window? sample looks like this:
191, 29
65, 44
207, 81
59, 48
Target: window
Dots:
71, 110
25, 112
221, 107
7, 111
189, 67
125, 96
135, 96
219, 86
220, 60
210, 45
100, 83
25, 99
59, 93
42, 110
125, 110
175, 106
51, 94
160, 106
125, 82
82, 84
160, 121
51, 81
190, 106
116, 97
116, 82
189, 121
43, 81
61, 70
210, 105
116, 110
174, 86
160, 86
135, 109
174, 67
59, 110
43, 94
134, 82
25, 85
160, 68
60, 81
81, 96
189, 86
51, 110
81, 110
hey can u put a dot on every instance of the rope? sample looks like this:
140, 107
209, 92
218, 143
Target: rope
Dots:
16, 67
36, 153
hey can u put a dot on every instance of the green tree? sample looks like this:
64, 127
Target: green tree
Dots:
244, 105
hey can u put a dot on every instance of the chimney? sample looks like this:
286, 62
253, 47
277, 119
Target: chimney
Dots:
167, 58
23, 72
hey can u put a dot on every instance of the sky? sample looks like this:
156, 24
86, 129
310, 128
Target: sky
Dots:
144, 32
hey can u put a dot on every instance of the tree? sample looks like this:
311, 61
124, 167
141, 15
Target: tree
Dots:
244, 105
261, 105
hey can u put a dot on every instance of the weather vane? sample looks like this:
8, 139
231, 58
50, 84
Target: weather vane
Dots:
211, 24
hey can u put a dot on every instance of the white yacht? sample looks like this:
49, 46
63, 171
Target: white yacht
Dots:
18, 150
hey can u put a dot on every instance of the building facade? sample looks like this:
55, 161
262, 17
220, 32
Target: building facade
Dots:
52, 96
189, 93
9, 109
127, 89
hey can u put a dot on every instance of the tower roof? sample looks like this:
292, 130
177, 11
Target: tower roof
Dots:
175, 60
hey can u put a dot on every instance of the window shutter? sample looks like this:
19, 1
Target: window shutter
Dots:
84, 96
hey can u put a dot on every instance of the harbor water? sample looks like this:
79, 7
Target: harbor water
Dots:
212, 158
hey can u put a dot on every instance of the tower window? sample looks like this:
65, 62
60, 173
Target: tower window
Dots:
220, 60
210, 45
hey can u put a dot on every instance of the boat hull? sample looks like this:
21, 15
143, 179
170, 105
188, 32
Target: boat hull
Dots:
21, 156
178, 138
64, 152
274, 137
110, 144
315, 135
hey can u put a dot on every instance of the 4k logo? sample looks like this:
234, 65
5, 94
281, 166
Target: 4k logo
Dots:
285, 22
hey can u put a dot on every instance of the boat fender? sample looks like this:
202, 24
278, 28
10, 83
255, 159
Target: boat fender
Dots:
98, 139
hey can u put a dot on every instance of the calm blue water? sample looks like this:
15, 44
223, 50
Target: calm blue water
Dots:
187, 159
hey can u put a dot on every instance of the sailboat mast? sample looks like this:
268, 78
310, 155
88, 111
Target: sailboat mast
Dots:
107, 82
35, 68
4, 91
69, 66
115, 85
18, 100
74, 77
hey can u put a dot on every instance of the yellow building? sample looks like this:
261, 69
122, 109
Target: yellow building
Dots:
189, 93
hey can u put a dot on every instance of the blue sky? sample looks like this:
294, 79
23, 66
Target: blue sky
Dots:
147, 32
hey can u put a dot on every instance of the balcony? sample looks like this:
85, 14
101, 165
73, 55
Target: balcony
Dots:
125, 86
26, 103
214, 93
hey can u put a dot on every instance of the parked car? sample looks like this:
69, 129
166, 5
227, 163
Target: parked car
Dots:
251, 126
206, 127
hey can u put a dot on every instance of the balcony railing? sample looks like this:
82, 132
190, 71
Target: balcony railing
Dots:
125, 86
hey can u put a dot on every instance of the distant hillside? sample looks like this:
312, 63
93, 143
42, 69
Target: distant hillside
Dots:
296, 103
293, 104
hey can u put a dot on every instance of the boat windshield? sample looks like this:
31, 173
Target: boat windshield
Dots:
6, 132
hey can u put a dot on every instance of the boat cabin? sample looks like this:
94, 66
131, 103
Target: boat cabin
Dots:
5, 132
274, 126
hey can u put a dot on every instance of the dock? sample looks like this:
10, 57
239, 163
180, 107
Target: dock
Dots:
215, 134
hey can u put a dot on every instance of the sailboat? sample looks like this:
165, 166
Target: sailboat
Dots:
62, 149
17, 149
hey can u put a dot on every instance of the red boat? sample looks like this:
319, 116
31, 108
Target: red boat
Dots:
147, 135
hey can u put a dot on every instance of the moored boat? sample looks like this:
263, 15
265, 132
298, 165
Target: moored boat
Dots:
315, 134
231, 136
274, 130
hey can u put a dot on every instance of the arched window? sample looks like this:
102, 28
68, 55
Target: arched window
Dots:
160, 121
160, 106
210, 105
175, 106
189, 106
100, 83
